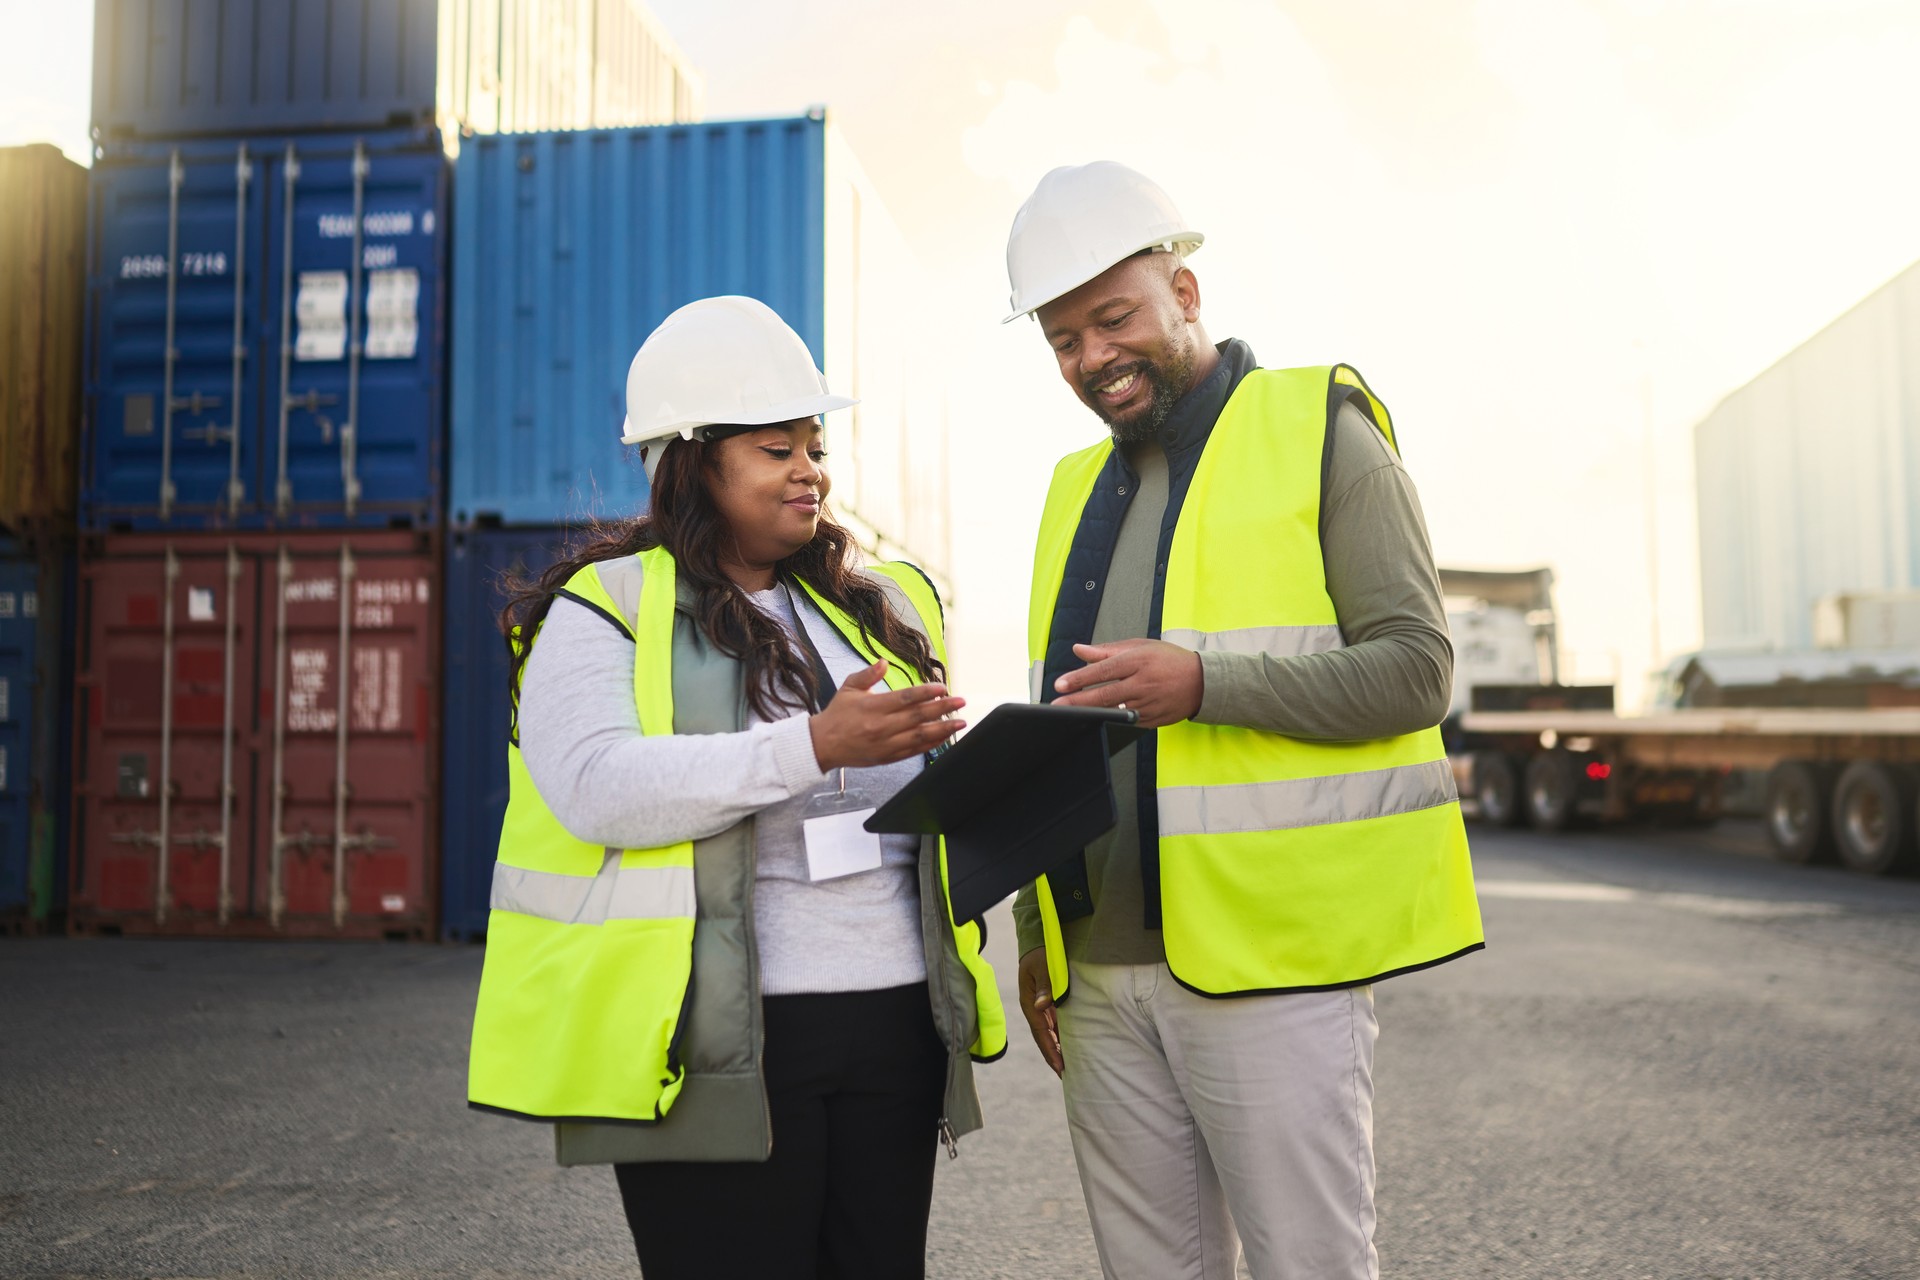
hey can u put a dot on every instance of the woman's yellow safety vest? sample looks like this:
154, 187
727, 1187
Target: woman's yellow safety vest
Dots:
1285, 865
584, 994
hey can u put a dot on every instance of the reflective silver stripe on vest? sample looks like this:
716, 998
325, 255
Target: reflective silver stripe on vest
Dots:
636, 893
1277, 642
1305, 802
1035, 676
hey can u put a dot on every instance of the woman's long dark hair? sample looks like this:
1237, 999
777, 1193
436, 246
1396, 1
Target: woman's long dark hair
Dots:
683, 519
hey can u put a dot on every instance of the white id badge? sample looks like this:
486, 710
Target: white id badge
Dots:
837, 844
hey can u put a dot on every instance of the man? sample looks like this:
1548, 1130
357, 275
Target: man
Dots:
1244, 563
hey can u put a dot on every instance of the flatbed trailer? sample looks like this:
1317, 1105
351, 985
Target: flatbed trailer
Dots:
1841, 784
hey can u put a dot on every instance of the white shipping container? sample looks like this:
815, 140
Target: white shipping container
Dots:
890, 462
517, 66
1808, 477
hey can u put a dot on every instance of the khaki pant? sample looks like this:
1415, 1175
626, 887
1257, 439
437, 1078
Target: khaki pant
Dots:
1203, 1126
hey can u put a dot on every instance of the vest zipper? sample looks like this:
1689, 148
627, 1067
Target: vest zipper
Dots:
937, 964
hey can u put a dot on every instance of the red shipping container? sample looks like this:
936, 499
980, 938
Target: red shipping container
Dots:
264, 709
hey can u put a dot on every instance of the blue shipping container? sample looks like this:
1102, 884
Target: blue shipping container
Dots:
568, 249
35, 728
204, 68
179, 68
477, 715
246, 368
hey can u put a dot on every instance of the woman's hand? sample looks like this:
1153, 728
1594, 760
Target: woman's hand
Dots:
860, 728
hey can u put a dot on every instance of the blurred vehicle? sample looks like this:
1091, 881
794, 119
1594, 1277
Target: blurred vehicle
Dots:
1840, 780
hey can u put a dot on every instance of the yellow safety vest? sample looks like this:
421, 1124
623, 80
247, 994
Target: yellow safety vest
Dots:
1285, 865
584, 992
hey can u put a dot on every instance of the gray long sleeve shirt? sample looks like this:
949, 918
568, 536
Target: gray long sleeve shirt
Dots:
1394, 676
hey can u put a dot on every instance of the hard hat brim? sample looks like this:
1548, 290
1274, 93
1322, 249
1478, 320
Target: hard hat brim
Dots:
806, 407
1189, 240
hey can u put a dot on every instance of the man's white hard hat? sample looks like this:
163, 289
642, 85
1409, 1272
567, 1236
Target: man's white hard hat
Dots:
720, 361
1081, 220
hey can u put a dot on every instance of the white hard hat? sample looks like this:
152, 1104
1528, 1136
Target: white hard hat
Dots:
1081, 220
720, 361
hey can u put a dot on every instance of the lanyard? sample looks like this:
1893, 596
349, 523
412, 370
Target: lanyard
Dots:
822, 678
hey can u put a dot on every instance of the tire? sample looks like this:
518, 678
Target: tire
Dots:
1873, 816
1551, 791
1798, 811
1496, 787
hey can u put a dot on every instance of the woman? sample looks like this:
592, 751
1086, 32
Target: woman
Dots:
699, 966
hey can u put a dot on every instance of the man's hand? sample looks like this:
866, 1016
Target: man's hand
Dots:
1036, 1002
1158, 680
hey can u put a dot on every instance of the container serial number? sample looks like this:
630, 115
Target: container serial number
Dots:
153, 266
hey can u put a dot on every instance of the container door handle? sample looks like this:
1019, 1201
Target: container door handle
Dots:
276, 885
226, 739
236, 490
343, 706
283, 489
163, 878
176, 178
356, 303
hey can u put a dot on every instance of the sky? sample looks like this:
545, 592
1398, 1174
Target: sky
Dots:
1552, 234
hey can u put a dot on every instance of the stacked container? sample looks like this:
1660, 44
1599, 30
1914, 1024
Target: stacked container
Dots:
261, 491
42, 273
568, 249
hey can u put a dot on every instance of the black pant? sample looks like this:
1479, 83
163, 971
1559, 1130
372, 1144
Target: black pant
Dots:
854, 1083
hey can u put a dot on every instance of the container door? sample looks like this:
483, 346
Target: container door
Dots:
165, 762
174, 375
354, 267
348, 794
19, 597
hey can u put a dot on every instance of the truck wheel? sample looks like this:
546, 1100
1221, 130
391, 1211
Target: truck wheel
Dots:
1550, 790
1799, 825
1873, 816
1496, 786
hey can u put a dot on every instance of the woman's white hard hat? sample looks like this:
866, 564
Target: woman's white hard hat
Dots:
1081, 220
726, 361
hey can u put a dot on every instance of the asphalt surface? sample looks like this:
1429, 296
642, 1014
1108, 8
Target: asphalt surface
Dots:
1675, 1059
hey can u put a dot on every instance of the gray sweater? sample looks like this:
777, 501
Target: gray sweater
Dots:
608, 784
1395, 675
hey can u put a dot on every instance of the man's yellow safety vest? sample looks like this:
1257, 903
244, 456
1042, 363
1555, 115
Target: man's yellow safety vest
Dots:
1285, 865
585, 992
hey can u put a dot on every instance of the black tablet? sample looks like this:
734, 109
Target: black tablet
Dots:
1020, 792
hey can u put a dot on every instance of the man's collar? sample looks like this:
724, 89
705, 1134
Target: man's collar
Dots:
1191, 420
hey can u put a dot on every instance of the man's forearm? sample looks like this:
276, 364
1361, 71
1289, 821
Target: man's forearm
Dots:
1394, 683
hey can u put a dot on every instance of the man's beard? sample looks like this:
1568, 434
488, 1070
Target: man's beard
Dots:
1167, 384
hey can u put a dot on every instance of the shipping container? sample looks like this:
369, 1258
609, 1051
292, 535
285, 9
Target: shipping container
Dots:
478, 714
257, 737
42, 295
1809, 477
266, 336
570, 247
35, 628
202, 68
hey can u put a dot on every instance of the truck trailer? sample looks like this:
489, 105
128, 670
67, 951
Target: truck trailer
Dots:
1842, 783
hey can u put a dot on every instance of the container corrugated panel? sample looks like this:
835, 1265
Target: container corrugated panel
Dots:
35, 627
1809, 477
570, 248
42, 297
478, 714
198, 68
258, 735
246, 368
